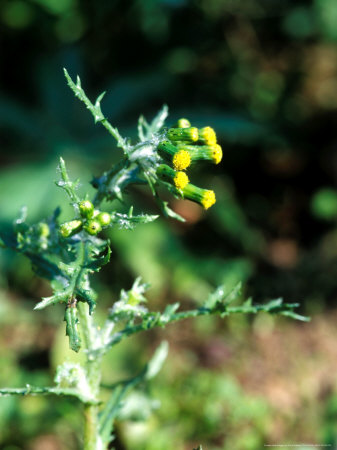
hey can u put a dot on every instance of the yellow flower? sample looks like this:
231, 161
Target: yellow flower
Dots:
217, 153
211, 153
181, 160
208, 199
178, 179
207, 135
204, 197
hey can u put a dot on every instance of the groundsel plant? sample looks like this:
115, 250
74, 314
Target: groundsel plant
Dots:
68, 254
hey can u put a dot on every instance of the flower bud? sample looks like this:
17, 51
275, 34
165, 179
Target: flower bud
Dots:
177, 178
207, 135
211, 153
204, 197
93, 227
179, 158
43, 230
86, 209
183, 123
103, 218
183, 134
68, 229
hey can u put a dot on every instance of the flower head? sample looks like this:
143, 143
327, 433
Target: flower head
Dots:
180, 180
207, 135
181, 160
177, 178
204, 197
212, 153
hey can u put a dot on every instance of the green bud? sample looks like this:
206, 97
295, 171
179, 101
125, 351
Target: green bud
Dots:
93, 227
103, 218
43, 229
183, 123
212, 153
183, 134
68, 229
86, 209
204, 197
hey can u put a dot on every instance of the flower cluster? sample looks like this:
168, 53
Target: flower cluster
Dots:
92, 220
185, 145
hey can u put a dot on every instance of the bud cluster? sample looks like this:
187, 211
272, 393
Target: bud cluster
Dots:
183, 146
92, 221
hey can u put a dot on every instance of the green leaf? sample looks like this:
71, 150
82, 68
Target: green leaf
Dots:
52, 300
157, 361
65, 183
71, 320
100, 261
324, 204
168, 212
128, 221
146, 130
96, 110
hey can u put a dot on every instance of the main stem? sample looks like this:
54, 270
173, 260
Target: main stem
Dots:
92, 440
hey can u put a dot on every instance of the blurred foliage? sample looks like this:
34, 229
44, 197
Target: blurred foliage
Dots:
263, 74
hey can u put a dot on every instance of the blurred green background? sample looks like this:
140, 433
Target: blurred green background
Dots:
264, 75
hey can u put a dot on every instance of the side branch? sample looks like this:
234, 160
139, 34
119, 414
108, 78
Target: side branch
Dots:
34, 390
157, 319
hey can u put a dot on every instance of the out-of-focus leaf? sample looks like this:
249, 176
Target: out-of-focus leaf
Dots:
324, 204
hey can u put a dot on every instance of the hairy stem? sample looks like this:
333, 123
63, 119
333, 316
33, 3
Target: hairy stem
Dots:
92, 440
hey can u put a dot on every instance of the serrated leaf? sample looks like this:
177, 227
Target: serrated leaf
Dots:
127, 221
52, 300
95, 110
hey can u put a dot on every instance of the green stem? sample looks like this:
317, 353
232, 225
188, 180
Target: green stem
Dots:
92, 440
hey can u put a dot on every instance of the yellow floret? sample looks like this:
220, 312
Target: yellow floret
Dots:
208, 199
207, 135
194, 134
180, 180
181, 160
217, 154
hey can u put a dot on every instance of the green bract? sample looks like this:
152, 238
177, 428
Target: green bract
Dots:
86, 209
93, 227
68, 229
103, 218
